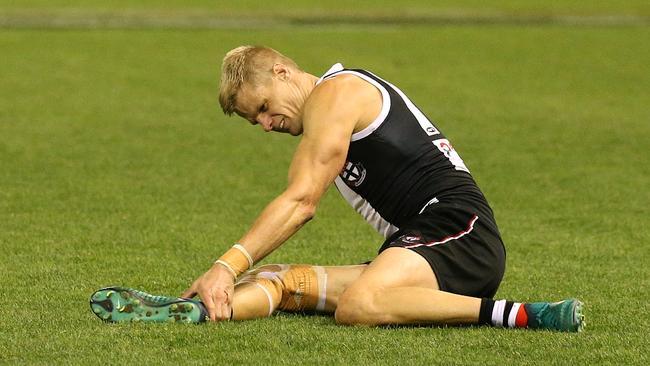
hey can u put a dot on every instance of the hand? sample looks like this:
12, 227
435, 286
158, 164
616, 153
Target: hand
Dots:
215, 288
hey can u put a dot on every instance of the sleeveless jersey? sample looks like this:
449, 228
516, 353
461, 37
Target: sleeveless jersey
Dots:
400, 163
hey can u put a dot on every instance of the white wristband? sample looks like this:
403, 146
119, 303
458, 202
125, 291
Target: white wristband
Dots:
223, 263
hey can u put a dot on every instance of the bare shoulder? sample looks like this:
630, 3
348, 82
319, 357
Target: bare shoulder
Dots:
343, 98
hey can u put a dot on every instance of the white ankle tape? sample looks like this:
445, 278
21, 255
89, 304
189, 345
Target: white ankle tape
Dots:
322, 288
268, 296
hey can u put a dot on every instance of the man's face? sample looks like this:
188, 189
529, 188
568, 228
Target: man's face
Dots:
273, 104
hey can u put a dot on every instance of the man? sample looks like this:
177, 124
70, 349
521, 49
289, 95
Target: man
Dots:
443, 257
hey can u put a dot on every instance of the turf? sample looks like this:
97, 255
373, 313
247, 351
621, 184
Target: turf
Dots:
249, 14
594, 7
119, 169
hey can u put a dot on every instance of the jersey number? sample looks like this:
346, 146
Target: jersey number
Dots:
445, 147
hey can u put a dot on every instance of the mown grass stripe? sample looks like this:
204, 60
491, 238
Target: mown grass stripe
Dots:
195, 20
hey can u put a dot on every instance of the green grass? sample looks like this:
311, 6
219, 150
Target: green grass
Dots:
246, 14
382, 6
117, 167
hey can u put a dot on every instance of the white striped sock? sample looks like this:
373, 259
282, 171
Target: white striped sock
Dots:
497, 313
513, 314
504, 313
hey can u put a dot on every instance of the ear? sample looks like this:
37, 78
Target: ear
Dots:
281, 71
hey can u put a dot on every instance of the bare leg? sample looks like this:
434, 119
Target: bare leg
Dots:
266, 289
399, 287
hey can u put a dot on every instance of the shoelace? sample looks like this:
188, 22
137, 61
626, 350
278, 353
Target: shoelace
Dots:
155, 299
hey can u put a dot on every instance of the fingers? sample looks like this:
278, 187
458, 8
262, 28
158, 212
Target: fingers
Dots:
215, 288
209, 306
222, 305
216, 302
223, 312
228, 303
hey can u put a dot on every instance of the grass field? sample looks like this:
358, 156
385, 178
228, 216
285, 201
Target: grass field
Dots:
117, 167
573, 7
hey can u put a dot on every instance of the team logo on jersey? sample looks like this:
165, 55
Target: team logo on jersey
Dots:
431, 130
409, 239
353, 173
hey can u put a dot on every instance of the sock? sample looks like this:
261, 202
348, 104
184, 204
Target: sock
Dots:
503, 313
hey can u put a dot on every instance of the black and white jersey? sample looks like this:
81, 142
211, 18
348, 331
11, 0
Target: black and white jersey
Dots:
400, 163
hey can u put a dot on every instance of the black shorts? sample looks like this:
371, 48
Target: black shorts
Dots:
462, 244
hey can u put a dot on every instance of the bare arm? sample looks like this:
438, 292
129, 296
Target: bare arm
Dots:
330, 117
317, 161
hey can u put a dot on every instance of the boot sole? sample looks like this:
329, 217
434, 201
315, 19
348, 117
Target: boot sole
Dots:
119, 304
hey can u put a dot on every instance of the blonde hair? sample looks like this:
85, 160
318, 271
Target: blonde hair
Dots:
246, 64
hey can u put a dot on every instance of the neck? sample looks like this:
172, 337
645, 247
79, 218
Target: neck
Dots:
307, 84
302, 86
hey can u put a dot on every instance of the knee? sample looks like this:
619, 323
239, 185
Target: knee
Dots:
357, 307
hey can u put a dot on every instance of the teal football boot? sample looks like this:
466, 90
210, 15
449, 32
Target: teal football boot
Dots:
564, 315
118, 304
